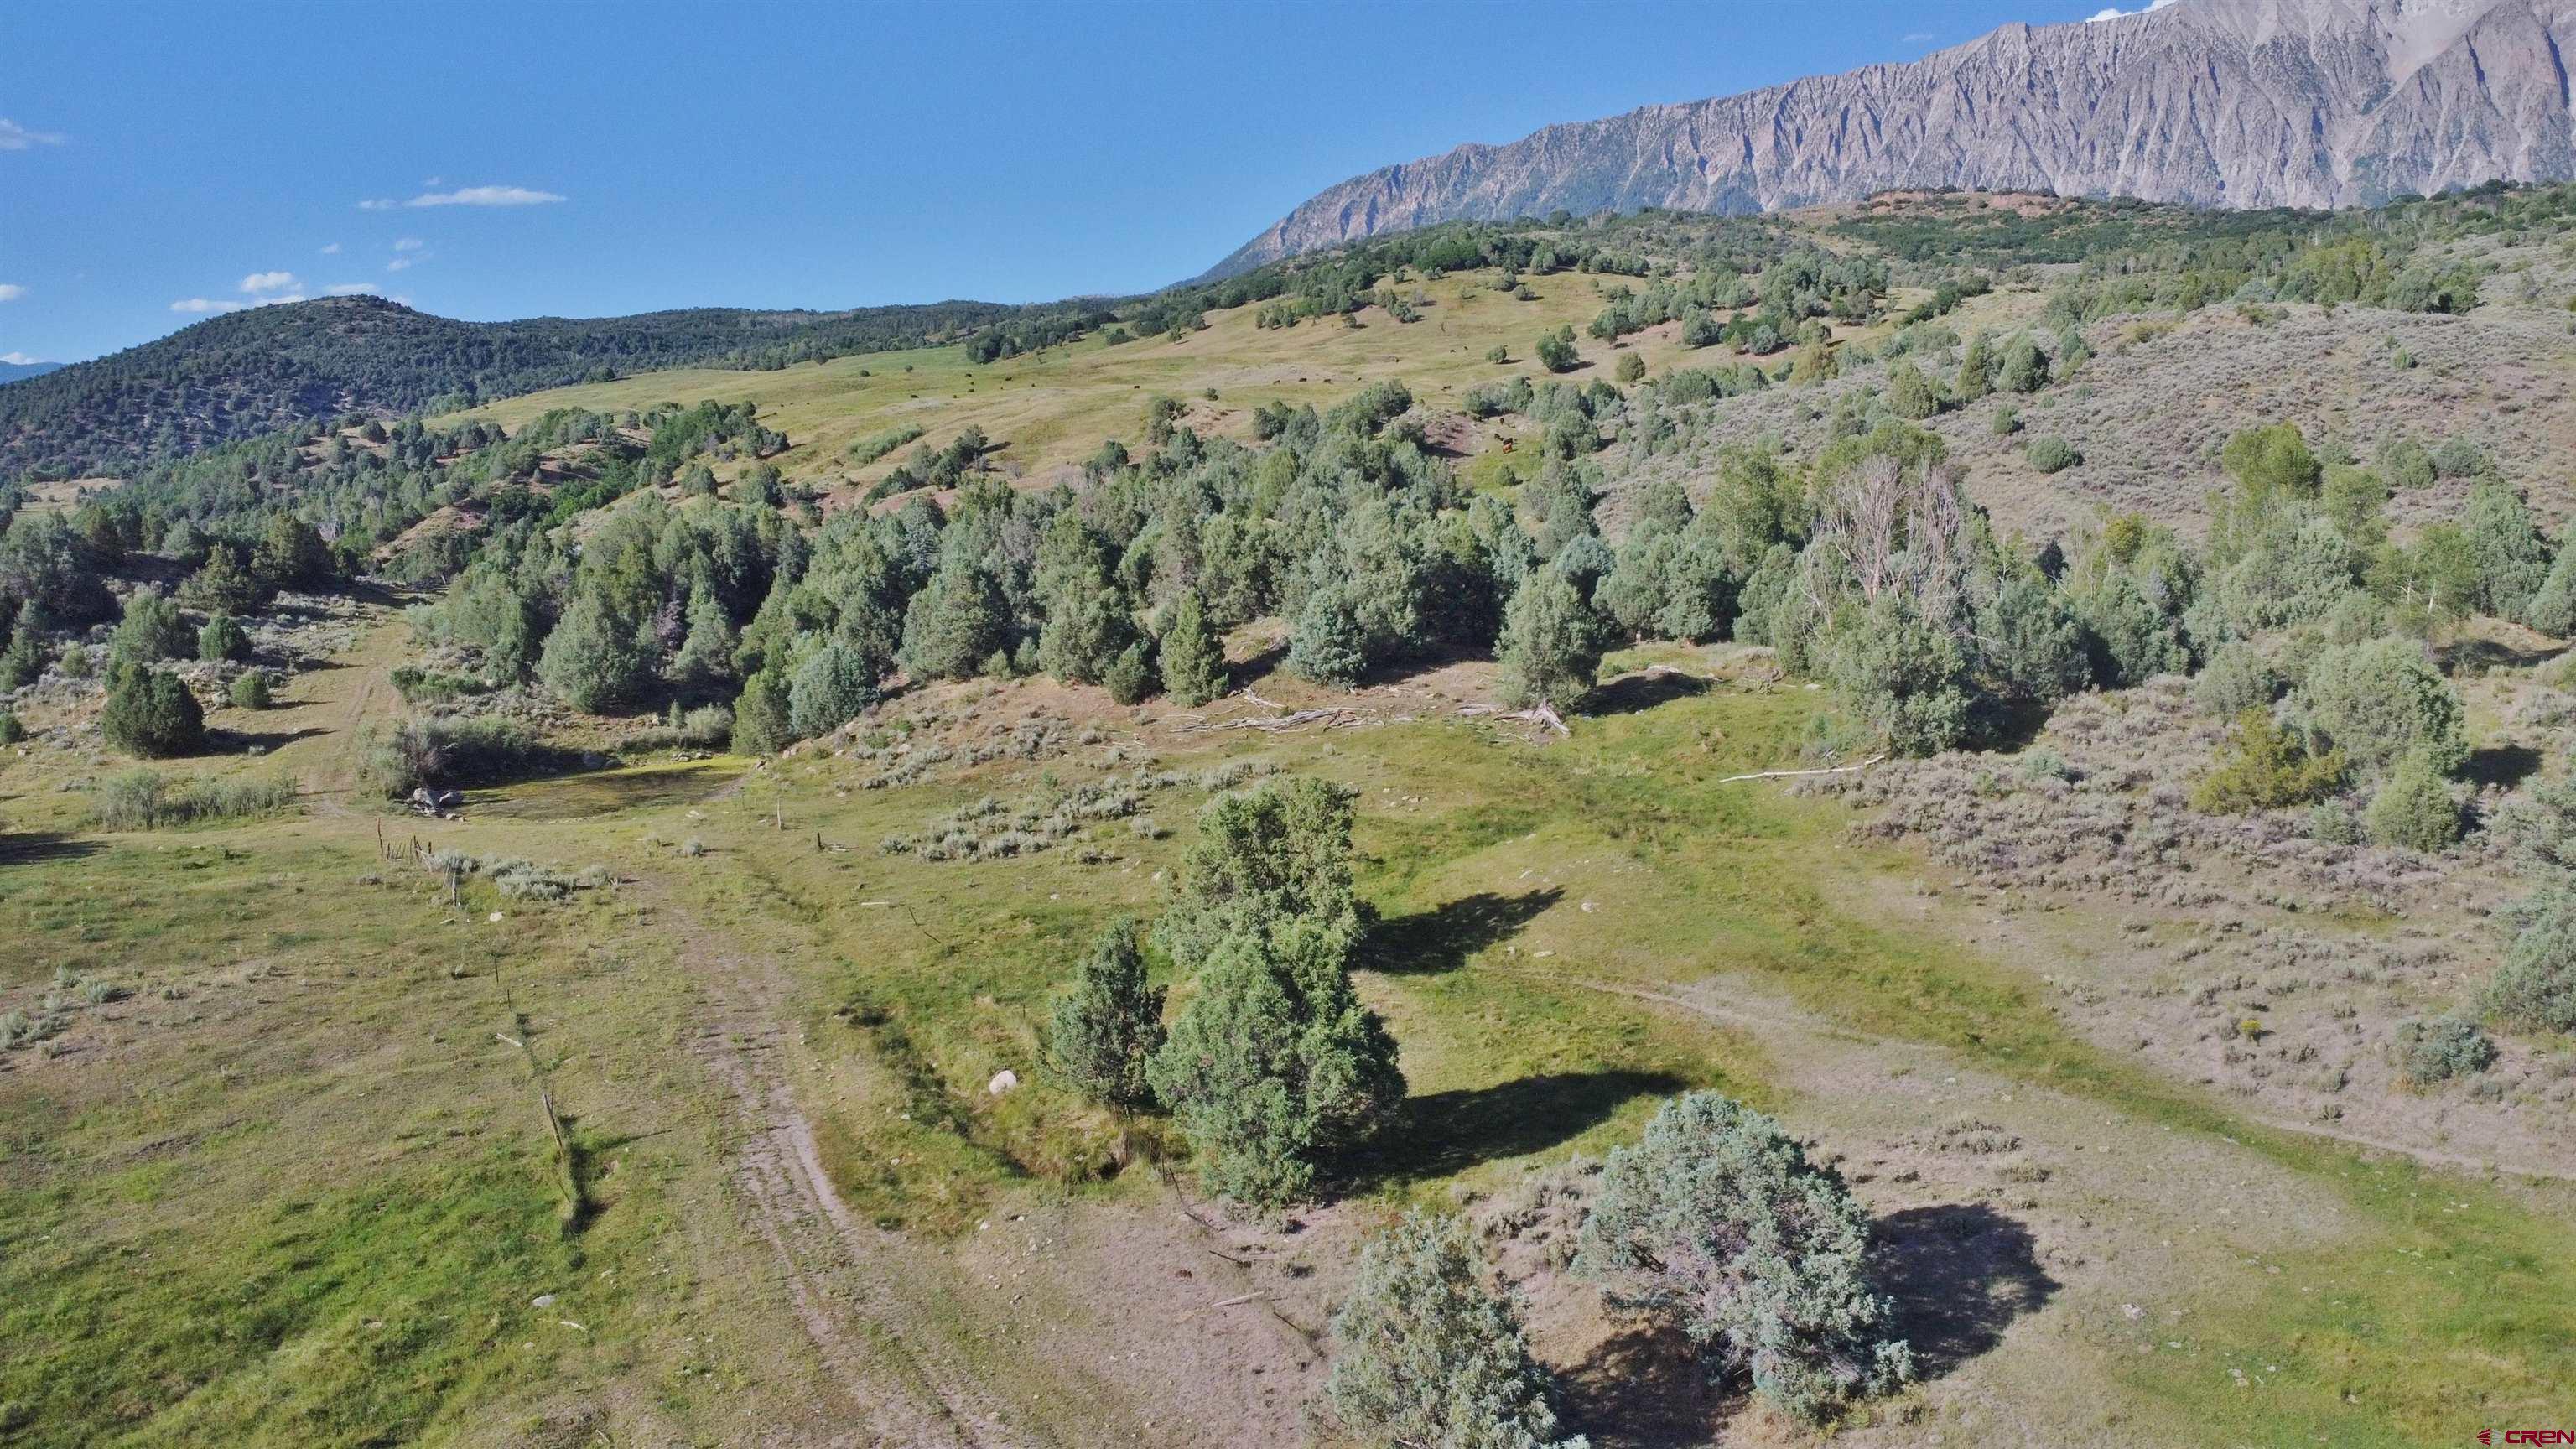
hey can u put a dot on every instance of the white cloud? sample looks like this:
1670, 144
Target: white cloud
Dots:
409, 244
432, 183
332, 250
258, 282
14, 137
2111, 13
399, 264
205, 304
1916, 37
468, 196
18, 359
353, 289
11, 291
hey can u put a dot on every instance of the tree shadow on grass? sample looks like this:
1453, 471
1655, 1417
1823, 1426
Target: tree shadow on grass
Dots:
1442, 938
35, 847
1960, 1274
1447, 1132
2493, 654
1637, 693
2503, 766
264, 741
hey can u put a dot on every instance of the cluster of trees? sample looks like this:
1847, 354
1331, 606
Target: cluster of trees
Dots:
1275, 1070
1715, 1222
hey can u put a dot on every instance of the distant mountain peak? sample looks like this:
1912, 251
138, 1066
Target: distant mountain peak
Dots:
2235, 103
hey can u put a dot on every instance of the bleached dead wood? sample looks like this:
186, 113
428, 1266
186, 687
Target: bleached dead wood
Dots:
1785, 774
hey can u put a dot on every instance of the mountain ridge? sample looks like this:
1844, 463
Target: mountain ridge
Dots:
2222, 103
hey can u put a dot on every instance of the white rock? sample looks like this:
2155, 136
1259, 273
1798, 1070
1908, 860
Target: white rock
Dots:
1003, 1081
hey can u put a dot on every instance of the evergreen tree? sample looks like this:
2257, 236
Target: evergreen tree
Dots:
1976, 370
594, 660
2512, 558
1329, 644
1909, 394
827, 686
1275, 854
760, 716
704, 660
1108, 1024
1551, 644
222, 637
956, 623
1717, 1222
1130, 677
1275, 1068
151, 630
2025, 367
150, 713
1193, 656
1425, 1353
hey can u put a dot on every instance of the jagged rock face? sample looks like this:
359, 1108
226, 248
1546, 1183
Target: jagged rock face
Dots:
2244, 103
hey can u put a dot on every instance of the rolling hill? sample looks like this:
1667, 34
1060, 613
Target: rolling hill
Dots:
256, 371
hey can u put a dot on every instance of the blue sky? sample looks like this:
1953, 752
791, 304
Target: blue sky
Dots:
159, 162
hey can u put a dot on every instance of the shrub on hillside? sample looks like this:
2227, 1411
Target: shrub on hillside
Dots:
252, 691
2262, 766
2380, 699
2414, 809
2435, 1051
222, 637
2535, 988
2050, 453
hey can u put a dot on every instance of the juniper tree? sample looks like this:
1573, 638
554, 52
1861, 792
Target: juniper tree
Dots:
222, 637
150, 713
1909, 394
2024, 367
594, 660
704, 659
151, 630
1193, 658
1329, 644
2512, 559
2413, 808
1550, 650
1278, 853
827, 685
1275, 1068
1716, 1222
760, 721
1424, 1352
956, 622
2380, 699
1108, 1024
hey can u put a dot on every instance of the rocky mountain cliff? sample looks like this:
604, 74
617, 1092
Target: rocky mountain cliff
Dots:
2241, 103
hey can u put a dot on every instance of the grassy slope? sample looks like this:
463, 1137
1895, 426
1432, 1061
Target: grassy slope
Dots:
1056, 407
307, 1200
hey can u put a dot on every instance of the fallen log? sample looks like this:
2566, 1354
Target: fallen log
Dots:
1785, 774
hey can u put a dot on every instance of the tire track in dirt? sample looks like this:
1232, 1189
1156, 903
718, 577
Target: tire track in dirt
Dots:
837, 1270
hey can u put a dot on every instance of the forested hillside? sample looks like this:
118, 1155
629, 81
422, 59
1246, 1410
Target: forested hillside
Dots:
268, 368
